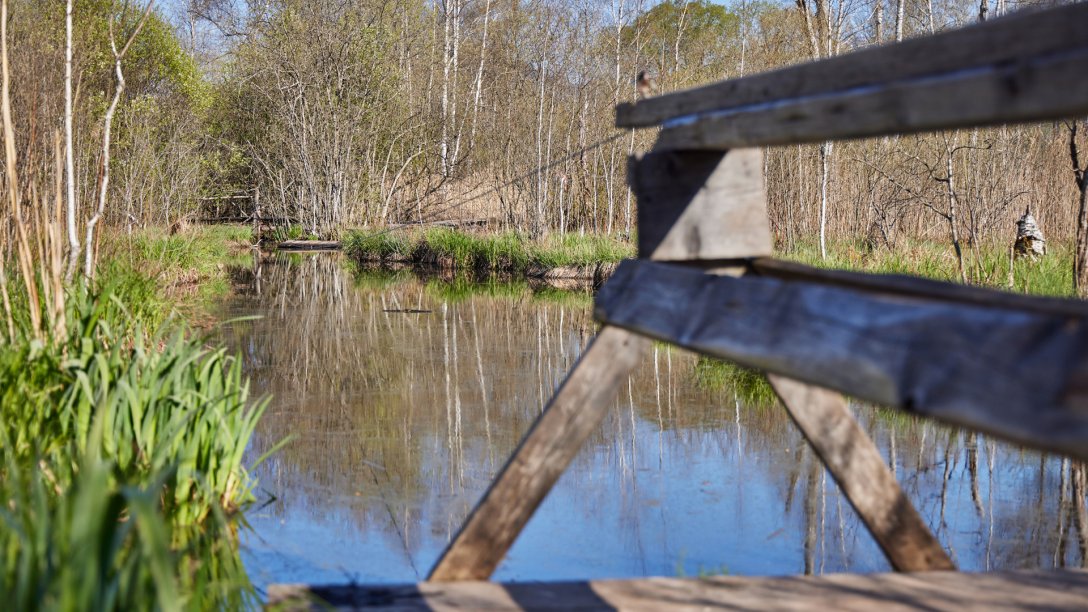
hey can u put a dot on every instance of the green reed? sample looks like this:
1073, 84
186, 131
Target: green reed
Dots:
503, 252
121, 461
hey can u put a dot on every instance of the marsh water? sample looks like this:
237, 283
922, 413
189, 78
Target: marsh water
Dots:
403, 395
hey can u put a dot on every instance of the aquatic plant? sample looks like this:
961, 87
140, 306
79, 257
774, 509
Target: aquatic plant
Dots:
750, 386
121, 460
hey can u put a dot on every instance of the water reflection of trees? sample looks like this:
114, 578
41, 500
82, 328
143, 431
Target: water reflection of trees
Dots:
405, 395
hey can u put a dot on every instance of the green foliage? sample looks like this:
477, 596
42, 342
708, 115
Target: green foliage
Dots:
383, 246
157, 62
121, 460
749, 386
162, 272
505, 252
1050, 275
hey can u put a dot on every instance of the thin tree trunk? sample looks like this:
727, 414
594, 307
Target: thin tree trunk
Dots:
952, 222
899, 9
479, 78
878, 19
825, 176
1080, 253
69, 147
107, 128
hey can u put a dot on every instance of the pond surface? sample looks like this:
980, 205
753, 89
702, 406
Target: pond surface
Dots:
403, 396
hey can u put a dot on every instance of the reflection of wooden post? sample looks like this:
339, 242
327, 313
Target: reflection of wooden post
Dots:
552, 442
857, 466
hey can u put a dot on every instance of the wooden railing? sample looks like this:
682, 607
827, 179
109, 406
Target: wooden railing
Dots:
1010, 365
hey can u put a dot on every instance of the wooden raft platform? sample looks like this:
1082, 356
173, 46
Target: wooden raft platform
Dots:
309, 245
1020, 590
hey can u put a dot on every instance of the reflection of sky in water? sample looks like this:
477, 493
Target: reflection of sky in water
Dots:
401, 421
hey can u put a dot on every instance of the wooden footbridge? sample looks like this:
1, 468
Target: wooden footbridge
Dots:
1009, 365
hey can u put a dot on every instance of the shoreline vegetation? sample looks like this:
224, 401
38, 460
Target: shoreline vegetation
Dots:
560, 256
122, 432
596, 257
126, 427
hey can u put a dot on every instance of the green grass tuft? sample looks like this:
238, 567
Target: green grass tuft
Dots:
504, 252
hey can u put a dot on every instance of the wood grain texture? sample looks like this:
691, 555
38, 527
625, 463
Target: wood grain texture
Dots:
1019, 375
548, 448
995, 42
1029, 89
701, 205
855, 463
931, 591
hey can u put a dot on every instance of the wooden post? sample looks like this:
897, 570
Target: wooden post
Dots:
552, 442
857, 466
700, 205
697, 206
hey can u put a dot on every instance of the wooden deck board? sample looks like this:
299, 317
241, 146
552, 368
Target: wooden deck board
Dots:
1014, 590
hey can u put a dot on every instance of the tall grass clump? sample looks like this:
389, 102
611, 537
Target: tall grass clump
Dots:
383, 246
120, 462
749, 386
502, 252
121, 436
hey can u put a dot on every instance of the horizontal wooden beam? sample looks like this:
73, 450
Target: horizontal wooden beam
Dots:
1035, 89
934, 591
1003, 41
1017, 374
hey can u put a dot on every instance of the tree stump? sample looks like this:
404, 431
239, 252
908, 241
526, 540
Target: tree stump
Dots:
1029, 238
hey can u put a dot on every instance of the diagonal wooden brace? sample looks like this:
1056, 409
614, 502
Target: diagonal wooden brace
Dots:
553, 441
861, 473
711, 206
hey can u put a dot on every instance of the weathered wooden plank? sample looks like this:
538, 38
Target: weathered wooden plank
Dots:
1019, 375
912, 286
552, 442
995, 42
1031, 89
855, 463
701, 205
309, 245
931, 591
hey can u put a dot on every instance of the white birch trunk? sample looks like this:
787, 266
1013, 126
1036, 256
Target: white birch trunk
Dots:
899, 10
104, 168
479, 78
69, 147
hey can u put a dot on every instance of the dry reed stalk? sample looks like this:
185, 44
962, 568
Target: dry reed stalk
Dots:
4, 291
56, 236
24, 255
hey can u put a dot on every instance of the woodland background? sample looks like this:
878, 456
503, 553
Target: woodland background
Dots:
364, 113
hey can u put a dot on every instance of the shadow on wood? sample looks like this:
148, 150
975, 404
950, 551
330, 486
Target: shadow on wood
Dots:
952, 591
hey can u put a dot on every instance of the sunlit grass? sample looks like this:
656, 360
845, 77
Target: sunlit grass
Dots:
188, 271
121, 455
504, 252
1050, 275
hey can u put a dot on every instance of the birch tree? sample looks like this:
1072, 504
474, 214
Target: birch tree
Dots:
102, 189
69, 145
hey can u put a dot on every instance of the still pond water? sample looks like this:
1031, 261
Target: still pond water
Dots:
404, 395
